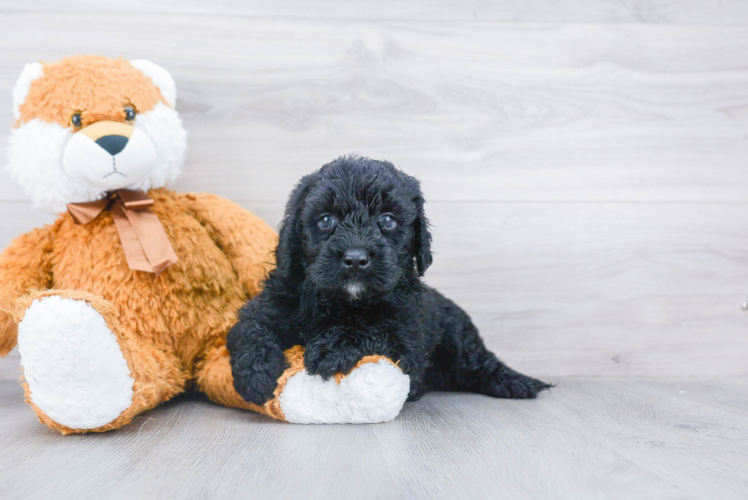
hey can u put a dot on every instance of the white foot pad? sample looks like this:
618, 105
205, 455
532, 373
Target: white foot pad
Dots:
73, 364
375, 392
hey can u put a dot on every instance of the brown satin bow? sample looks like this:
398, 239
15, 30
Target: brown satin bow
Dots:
146, 245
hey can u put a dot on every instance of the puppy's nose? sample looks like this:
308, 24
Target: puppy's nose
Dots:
112, 144
356, 259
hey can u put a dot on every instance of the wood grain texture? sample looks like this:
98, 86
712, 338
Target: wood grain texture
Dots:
478, 111
586, 439
600, 289
723, 12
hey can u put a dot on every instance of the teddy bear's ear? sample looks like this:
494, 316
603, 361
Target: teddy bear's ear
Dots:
160, 77
31, 72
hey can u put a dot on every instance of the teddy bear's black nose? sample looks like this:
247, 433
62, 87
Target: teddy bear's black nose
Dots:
112, 144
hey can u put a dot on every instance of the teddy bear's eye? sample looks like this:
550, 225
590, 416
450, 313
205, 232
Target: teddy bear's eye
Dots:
129, 113
76, 120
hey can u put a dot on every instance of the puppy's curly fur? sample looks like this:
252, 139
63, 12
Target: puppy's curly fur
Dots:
353, 245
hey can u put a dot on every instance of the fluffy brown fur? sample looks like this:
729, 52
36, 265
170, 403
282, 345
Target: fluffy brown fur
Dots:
109, 85
171, 327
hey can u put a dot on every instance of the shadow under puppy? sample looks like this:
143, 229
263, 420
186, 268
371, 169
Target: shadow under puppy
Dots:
353, 245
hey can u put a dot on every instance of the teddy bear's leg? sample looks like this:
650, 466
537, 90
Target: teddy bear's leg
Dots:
374, 391
83, 371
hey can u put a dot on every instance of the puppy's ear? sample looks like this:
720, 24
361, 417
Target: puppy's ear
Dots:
422, 247
289, 254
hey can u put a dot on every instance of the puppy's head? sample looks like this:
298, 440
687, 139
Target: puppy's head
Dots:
355, 227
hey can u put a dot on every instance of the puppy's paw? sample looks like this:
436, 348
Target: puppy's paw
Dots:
324, 362
256, 373
416, 393
513, 385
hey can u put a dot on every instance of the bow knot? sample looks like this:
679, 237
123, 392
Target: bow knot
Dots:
143, 238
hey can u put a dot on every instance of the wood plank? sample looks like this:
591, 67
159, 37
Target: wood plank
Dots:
718, 393
478, 111
586, 439
724, 12
680, 441
600, 289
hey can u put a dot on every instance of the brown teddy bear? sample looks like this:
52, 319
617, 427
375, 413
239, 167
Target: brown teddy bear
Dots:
126, 300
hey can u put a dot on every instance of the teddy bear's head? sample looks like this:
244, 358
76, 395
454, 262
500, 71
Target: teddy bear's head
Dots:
86, 125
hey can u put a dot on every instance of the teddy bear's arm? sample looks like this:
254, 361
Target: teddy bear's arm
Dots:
245, 239
24, 266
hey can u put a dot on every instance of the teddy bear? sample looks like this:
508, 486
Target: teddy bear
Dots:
126, 299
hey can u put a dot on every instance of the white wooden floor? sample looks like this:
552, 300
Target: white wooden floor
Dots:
585, 164
589, 438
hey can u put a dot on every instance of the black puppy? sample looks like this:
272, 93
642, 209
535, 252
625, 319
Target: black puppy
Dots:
353, 244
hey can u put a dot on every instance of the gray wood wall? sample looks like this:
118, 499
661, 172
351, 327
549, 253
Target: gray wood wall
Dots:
585, 163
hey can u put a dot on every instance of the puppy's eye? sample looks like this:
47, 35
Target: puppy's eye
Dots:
76, 121
129, 113
386, 221
327, 222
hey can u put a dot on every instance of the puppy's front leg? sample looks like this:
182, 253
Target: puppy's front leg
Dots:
339, 348
257, 359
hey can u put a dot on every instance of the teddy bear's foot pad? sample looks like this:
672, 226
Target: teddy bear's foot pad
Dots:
72, 363
372, 393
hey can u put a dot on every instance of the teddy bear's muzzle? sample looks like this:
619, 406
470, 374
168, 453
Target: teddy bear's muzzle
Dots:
109, 155
111, 136
106, 128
